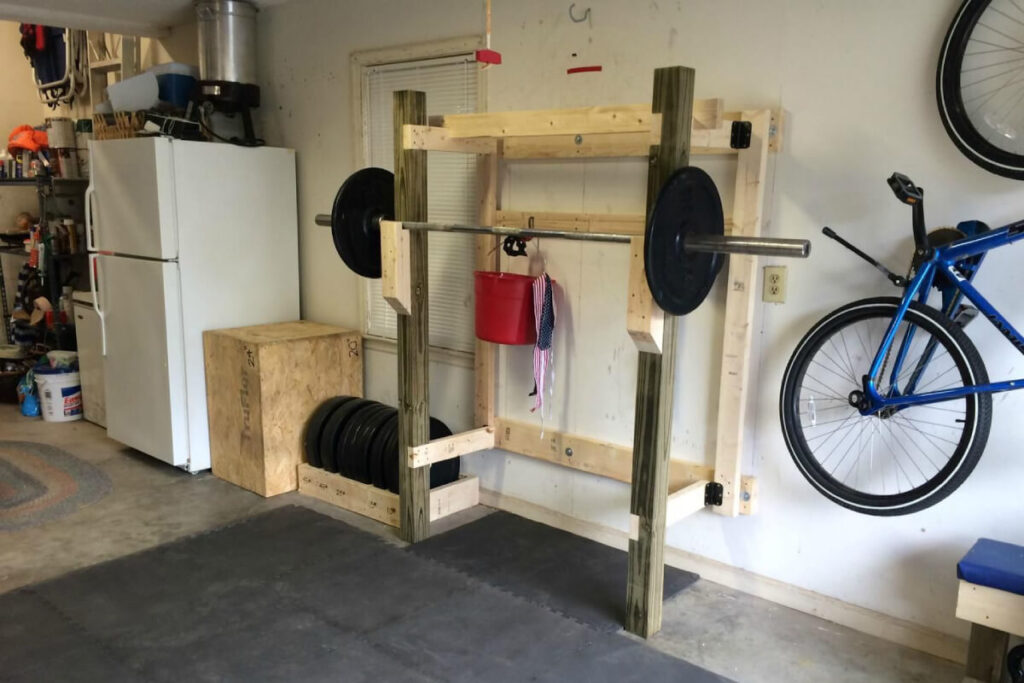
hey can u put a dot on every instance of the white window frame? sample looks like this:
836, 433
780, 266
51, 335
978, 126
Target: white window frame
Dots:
358, 63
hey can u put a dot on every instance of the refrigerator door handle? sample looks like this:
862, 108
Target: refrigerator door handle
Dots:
100, 313
90, 243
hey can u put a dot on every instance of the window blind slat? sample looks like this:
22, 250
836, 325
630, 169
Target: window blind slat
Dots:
451, 88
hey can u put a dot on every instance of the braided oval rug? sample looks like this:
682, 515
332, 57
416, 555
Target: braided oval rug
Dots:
39, 483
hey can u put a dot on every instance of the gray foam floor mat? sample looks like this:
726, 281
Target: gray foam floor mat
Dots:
577, 577
292, 595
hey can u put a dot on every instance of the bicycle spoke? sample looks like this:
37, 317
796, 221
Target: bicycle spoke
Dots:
926, 406
924, 433
913, 461
916, 443
1017, 7
896, 440
1004, 35
842, 377
839, 366
849, 360
992, 93
993, 64
824, 386
927, 422
935, 379
845, 454
999, 11
818, 436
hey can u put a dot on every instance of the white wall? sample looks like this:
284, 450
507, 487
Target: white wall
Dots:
857, 81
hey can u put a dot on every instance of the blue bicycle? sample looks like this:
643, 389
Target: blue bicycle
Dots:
886, 404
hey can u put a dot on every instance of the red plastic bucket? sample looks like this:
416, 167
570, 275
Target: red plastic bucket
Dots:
504, 308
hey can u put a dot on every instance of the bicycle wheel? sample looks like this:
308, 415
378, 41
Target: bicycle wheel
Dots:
894, 462
980, 84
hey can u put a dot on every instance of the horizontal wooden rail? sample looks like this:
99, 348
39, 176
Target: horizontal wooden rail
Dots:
624, 224
380, 504
602, 458
629, 118
564, 146
583, 453
437, 139
452, 446
611, 145
704, 140
679, 505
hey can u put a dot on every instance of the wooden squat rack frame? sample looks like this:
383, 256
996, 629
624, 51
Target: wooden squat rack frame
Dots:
667, 132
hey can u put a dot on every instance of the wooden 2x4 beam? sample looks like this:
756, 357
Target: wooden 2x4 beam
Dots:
704, 141
611, 145
564, 146
453, 446
609, 223
629, 118
381, 504
602, 458
680, 504
436, 139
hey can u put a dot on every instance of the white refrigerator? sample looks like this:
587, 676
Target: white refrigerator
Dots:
183, 237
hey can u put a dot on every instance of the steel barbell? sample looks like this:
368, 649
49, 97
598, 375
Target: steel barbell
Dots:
684, 239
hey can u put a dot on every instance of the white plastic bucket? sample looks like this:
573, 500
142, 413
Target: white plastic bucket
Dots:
60, 396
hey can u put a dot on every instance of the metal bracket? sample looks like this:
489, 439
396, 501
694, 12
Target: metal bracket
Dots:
739, 138
713, 493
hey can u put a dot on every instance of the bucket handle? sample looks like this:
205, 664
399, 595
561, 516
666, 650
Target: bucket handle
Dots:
93, 265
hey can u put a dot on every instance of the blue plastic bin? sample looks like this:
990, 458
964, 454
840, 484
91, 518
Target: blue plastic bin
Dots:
175, 89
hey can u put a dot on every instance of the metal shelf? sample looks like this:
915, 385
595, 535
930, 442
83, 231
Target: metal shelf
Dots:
42, 180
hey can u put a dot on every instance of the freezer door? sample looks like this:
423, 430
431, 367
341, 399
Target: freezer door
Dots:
144, 369
131, 198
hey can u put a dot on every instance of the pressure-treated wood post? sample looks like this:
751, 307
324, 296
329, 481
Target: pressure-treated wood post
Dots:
673, 99
413, 393
487, 258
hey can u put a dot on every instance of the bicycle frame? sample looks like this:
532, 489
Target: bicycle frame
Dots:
942, 263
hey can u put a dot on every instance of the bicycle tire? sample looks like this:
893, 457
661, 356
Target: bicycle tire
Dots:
978, 413
949, 93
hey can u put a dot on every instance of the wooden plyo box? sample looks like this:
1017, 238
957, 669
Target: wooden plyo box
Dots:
262, 384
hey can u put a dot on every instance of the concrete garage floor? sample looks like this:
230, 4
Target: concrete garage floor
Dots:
726, 631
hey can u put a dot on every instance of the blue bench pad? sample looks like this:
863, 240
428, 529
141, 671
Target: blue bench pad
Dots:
994, 564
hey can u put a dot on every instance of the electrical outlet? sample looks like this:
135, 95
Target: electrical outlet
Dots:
774, 284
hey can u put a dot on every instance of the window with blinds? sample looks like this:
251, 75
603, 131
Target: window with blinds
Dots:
450, 84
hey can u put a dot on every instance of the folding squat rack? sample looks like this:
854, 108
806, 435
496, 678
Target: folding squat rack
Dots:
663, 491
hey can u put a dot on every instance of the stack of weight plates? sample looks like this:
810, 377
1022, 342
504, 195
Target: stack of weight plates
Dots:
358, 439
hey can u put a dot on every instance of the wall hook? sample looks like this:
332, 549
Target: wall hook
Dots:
585, 17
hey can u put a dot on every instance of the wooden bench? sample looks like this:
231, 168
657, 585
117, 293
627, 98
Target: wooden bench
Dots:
991, 597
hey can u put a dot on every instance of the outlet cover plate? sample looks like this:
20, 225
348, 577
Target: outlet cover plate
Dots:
774, 284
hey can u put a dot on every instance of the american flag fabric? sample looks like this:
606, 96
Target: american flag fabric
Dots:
544, 317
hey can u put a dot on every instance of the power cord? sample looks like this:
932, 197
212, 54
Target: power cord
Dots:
240, 142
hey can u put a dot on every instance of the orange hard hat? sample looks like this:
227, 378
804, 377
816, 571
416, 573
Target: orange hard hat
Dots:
27, 138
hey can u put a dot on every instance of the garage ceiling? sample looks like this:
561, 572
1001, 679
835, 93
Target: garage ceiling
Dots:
135, 17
